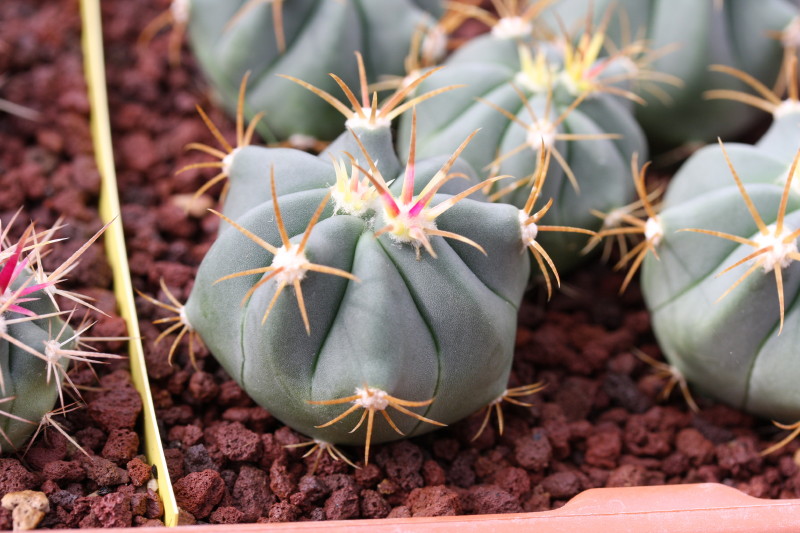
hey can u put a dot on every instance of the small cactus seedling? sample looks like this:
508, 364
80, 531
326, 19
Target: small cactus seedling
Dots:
722, 294
303, 39
740, 39
558, 96
36, 343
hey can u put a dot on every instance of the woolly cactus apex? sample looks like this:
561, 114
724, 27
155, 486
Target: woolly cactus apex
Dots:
567, 102
304, 39
36, 344
696, 34
722, 294
407, 309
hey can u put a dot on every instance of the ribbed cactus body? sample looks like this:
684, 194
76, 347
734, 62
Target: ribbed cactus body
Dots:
695, 34
418, 328
31, 394
732, 348
490, 68
321, 36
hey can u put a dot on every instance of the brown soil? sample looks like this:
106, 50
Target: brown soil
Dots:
47, 168
597, 424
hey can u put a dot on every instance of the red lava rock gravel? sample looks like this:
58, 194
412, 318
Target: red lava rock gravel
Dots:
47, 166
598, 422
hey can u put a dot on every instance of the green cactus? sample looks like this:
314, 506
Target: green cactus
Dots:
304, 39
729, 226
36, 343
558, 97
693, 35
399, 298
427, 319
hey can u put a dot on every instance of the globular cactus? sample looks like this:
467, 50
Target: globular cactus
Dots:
693, 35
723, 286
305, 39
420, 318
36, 343
350, 282
555, 96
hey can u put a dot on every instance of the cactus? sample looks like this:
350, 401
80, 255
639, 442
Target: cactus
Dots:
349, 282
556, 96
741, 34
36, 342
391, 336
304, 39
723, 287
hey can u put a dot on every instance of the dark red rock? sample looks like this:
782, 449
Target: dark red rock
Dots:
118, 408
15, 477
139, 472
603, 449
562, 485
490, 499
373, 505
342, 504
199, 492
535, 452
122, 446
434, 501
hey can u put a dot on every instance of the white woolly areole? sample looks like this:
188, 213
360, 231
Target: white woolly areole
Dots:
541, 133
790, 36
779, 254
353, 202
787, 107
512, 28
404, 224
301, 141
529, 231
653, 230
294, 265
52, 350
3, 325
434, 45
227, 161
364, 123
180, 11
614, 218
371, 398
185, 319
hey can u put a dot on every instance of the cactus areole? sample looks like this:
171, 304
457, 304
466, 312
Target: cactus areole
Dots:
344, 285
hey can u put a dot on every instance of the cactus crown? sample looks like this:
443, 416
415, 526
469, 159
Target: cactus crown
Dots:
409, 218
542, 132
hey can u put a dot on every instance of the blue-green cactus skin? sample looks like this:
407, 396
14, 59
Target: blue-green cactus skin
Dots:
729, 349
418, 328
321, 37
488, 68
24, 375
697, 34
